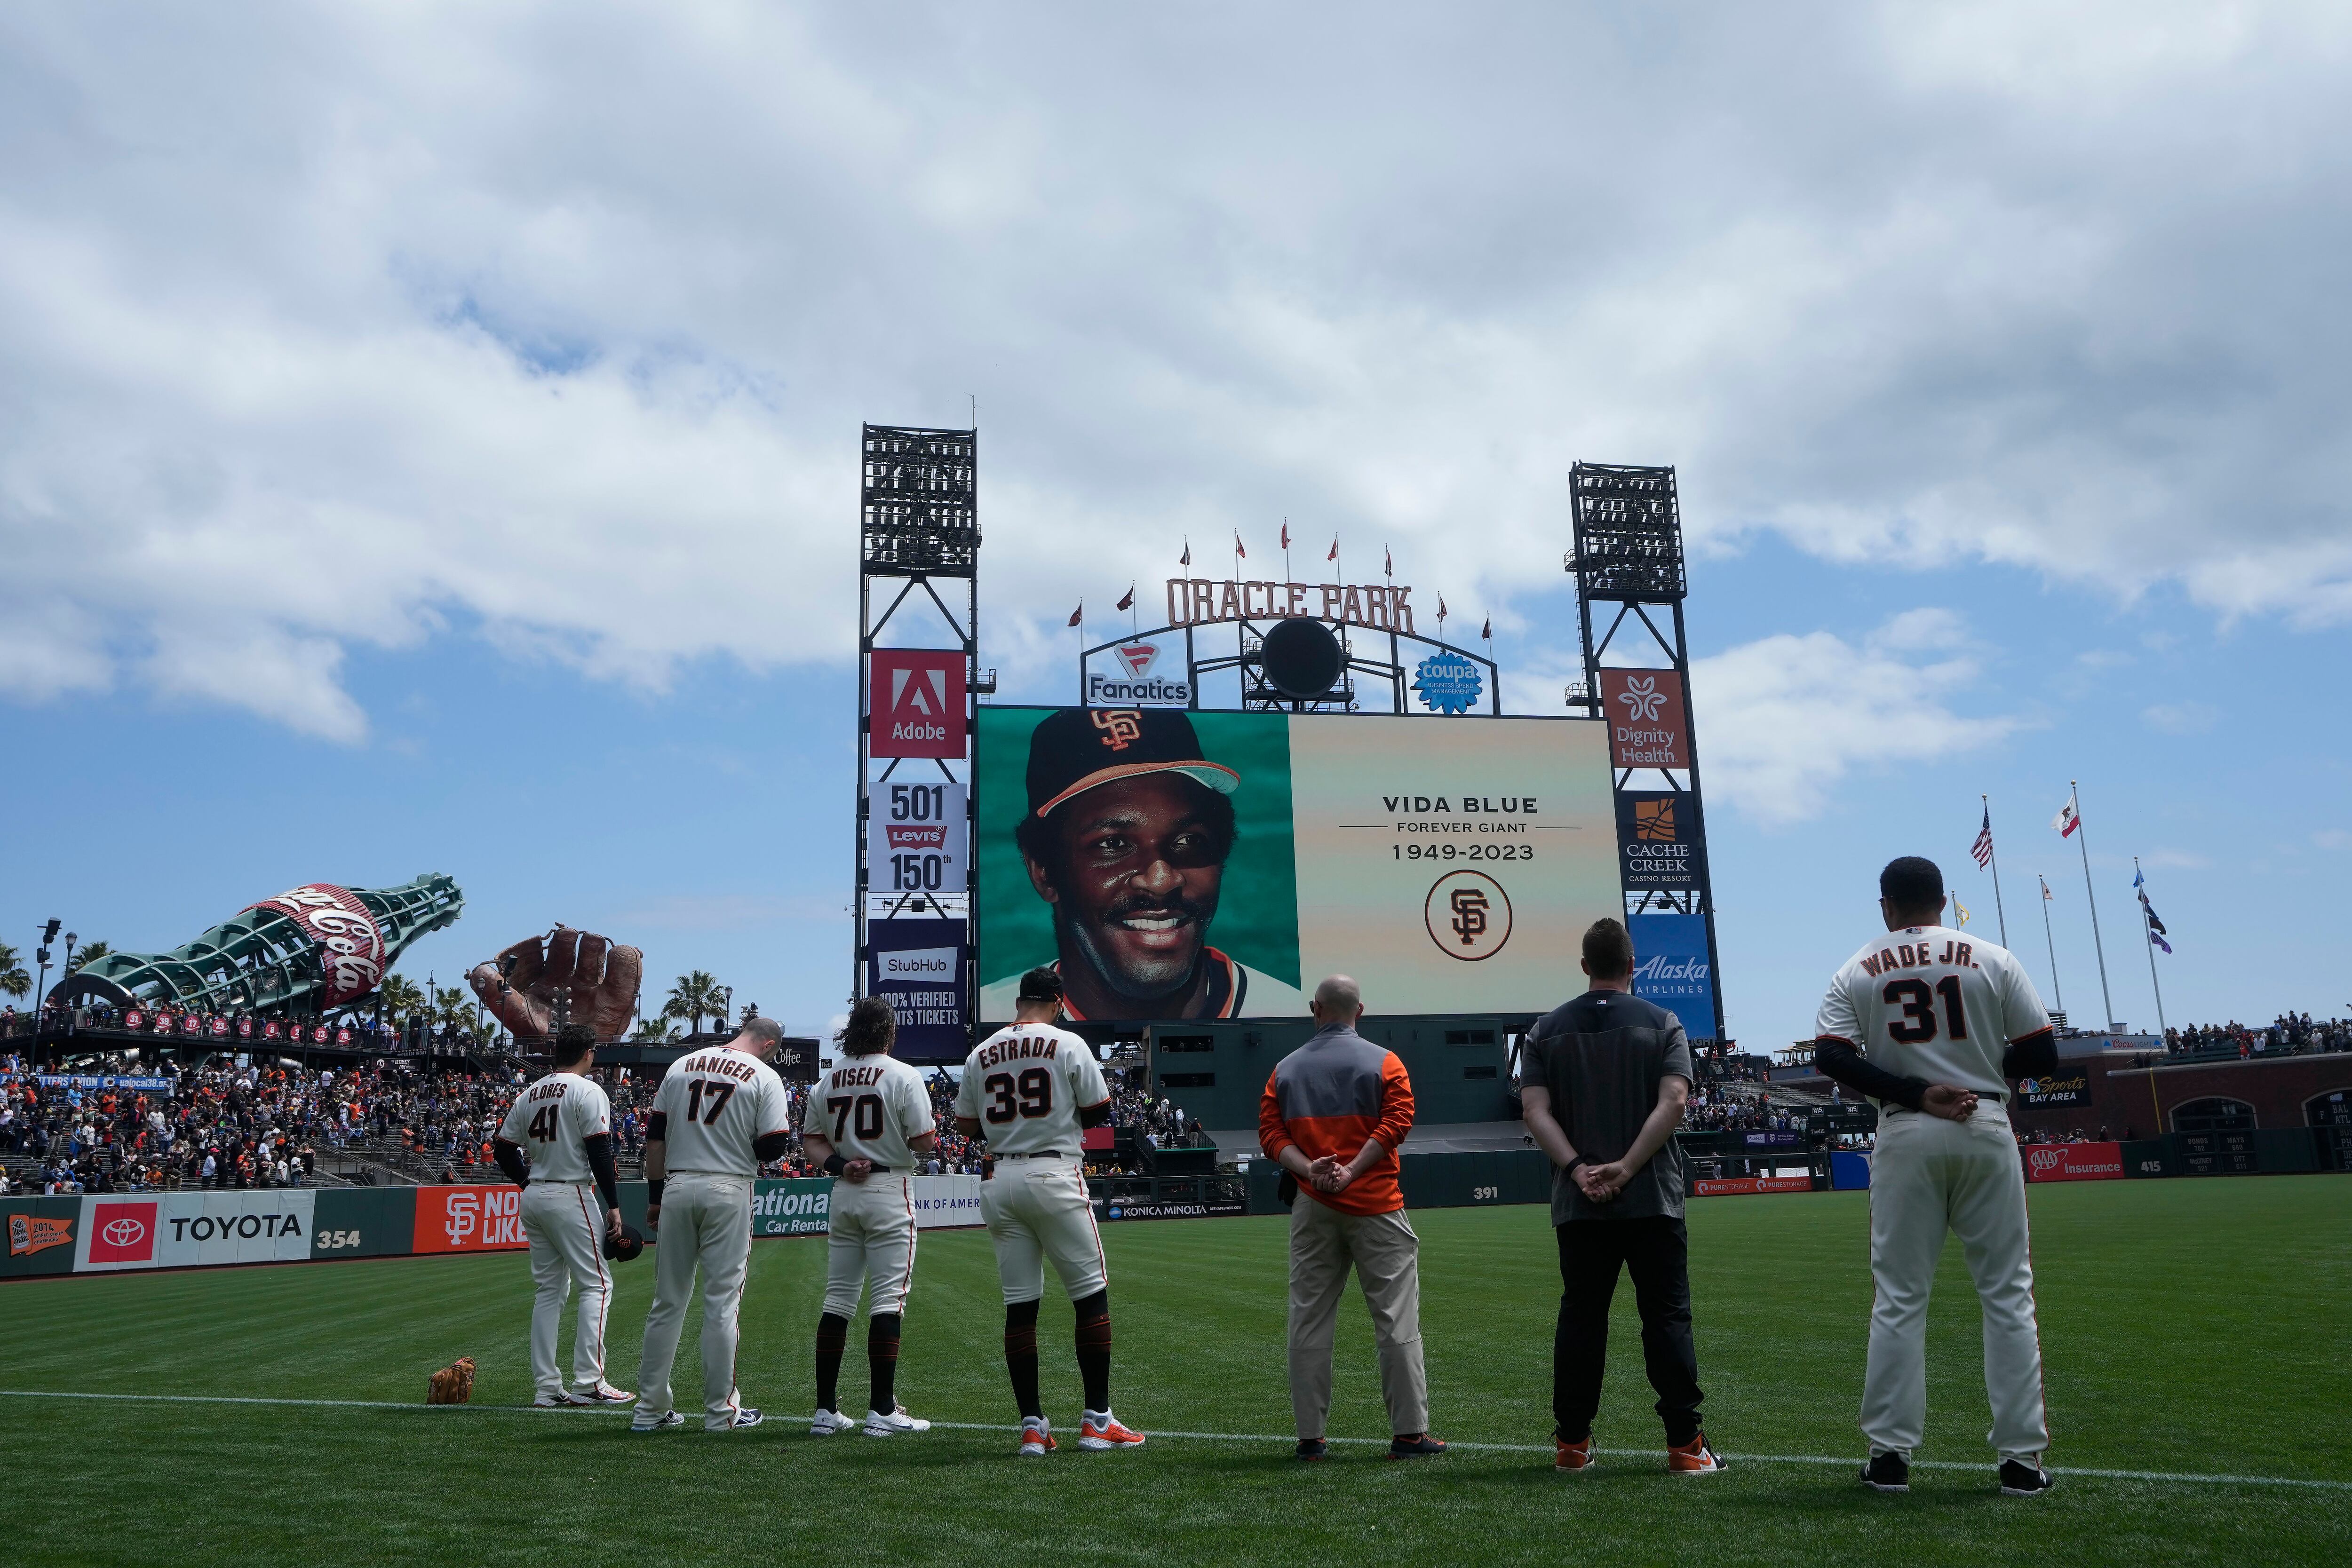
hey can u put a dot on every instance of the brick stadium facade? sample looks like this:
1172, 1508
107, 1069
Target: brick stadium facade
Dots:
2139, 1101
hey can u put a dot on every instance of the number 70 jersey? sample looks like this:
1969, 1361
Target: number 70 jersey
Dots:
1026, 1085
712, 1104
1928, 1002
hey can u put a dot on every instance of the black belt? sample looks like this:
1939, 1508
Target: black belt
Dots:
1034, 1154
1980, 1093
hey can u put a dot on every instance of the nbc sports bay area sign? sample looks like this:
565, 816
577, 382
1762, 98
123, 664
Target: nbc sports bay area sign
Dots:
1139, 674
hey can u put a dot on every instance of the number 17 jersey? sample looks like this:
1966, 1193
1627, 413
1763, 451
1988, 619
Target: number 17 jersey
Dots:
1026, 1085
712, 1106
1928, 1002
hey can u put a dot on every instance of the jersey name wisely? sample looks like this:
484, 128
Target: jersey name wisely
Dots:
1930, 1003
554, 1120
867, 1108
713, 1104
1026, 1085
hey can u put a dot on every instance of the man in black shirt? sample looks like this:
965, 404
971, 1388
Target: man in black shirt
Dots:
1603, 1083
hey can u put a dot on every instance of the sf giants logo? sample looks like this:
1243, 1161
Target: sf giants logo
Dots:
463, 1213
1468, 916
1121, 727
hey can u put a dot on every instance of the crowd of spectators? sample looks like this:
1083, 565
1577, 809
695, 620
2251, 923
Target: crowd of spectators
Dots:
2290, 1034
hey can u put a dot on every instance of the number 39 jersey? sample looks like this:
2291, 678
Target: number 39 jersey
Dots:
1026, 1085
554, 1120
1930, 1003
712, 1104
867, 1108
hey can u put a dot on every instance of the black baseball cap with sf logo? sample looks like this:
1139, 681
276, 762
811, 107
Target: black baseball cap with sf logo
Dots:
1074, 748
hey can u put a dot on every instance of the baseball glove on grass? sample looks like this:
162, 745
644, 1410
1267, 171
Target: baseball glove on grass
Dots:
453, 1385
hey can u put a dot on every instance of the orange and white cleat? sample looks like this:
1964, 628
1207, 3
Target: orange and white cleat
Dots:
1036, 1437
1575, 1457
1694, 1458
1100, 1430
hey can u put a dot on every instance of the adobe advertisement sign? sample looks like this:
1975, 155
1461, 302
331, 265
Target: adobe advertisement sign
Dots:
918, 967
1673, 968
350, 948
1657, 840
1649, 725
2073, 1162
190, 1230
915, 839
486, 1218
917, 697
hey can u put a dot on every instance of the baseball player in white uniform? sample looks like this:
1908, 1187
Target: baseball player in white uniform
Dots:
562, 1125
865, 1121
1933, 1023
1031, 1089
718, 1114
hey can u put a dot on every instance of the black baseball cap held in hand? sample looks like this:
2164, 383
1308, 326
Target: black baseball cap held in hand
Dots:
632, 1242
1074, 748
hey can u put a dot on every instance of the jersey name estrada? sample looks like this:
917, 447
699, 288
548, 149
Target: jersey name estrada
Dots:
554, 1120
1026, 1085
1930, 1003
867, 1108
713, 1105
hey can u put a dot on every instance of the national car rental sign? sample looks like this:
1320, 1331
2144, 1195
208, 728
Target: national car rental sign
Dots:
917, 697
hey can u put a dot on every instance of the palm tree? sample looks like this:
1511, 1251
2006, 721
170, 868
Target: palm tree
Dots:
657, 1030
88, 953
454, 1008
695, 997
400, 996
14, 981
722, 999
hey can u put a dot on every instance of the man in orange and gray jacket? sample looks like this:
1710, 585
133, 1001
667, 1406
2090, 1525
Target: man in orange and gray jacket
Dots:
1332, 1115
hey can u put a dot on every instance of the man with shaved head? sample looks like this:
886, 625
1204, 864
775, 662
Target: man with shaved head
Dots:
1332, 1115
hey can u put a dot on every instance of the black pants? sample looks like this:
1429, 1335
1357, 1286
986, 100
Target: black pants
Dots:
1656, 1252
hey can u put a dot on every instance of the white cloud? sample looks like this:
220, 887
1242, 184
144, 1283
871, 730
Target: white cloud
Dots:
343, 327
2181, 718
2332, 839
1786, 718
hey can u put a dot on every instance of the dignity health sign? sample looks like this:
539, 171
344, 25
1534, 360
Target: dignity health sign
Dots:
192, 1230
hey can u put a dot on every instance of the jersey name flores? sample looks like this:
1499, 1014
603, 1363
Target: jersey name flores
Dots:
554, 1120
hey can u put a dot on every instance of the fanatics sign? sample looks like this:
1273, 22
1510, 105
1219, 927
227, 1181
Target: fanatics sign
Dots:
918, 701
1648, 721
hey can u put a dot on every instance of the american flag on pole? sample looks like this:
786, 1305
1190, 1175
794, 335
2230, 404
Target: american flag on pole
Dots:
1982, 849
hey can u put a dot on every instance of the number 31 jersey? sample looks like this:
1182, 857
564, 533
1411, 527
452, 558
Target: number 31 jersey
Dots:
1026, 1085
712, 1104
1930, 1003
867, 1108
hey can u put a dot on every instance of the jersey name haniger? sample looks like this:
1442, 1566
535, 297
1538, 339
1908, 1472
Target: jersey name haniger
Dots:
731, 1064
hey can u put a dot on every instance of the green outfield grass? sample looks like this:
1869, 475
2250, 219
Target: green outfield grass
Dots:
2189, 1326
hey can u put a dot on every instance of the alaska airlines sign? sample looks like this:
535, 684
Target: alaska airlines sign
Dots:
1197, 602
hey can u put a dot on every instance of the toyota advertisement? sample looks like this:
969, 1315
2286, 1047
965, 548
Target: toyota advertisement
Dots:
1184, 864
189, 1229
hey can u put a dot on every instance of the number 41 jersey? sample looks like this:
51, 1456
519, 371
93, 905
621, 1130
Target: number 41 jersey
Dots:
1026, 1085
712, 1104
1930, 1003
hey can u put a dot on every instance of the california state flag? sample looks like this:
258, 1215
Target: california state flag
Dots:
2068, 819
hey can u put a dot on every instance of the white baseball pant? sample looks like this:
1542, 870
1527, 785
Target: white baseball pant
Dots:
1927, 1175
1037, 1210
705, 1219
564, 1222
872, 1235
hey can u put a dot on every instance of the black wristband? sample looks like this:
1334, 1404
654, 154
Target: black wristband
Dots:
834, 1164
1569, 1169
653, 1185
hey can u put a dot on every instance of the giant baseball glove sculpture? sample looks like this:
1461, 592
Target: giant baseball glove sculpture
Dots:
603, 980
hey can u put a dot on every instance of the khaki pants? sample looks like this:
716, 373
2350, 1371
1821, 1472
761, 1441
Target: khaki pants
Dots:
564, 1222
1928, 1176
706, 1218
1387, 1258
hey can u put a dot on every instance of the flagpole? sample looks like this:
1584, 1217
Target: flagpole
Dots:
2147, 930
2057, 991
1079, 626
2074, 794
1992, 857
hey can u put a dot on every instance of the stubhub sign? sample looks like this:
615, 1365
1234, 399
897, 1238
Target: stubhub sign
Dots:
920, 967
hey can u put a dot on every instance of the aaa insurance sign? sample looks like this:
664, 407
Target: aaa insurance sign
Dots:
918, 702
190, 1230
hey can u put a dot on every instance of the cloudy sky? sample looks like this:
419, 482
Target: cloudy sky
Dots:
427, 435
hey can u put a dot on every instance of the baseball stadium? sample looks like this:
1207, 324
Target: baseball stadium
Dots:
1278, 1084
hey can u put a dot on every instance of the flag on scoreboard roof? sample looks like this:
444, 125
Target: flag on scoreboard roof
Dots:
1388, 561
1982, 849
2068, 819
1077, 614
1488, 631
1127, 602
1335, 548
1188, 551
1237, 545
1286, 533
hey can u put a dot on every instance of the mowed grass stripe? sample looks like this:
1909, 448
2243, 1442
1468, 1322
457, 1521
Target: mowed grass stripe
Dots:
1008, 1429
